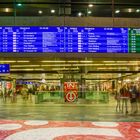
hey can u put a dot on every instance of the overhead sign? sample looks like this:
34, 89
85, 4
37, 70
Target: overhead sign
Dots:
57, 39
4, 68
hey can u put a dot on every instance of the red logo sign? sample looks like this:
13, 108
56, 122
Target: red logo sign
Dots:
70, 91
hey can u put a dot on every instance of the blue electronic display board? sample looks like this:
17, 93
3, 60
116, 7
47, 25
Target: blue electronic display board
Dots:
4, 68
55, 39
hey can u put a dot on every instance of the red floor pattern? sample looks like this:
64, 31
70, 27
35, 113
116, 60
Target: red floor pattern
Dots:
128, 130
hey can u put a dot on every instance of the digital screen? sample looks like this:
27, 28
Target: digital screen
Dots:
4, 68
134, 40
57, 39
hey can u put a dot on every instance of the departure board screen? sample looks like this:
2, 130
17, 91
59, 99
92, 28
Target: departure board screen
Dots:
63, 39
4, 68
134, 40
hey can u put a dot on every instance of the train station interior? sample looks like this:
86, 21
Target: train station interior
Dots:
70, 94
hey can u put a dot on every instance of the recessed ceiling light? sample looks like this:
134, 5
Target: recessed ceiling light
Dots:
117, 11
90, 5
79, 14
7, 10
129, 10
19, 4
40, 12
138, 10
89, 12
52, 11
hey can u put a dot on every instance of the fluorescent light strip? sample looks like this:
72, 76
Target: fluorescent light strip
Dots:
21, 69
7, 61
71, 61
18, 66
88, 64
51, 61
86, 61
111, 68
120, 64
57, 65
23, 61
26, 69
65, 69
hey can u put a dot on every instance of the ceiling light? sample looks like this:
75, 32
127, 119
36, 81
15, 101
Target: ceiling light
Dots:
138, 10
65, 68
51, 61
90, 5
110, 68
52, 11
88, 64
40, 12
117, 64
117, 11
19, 4
23, 61
7, 61
72, 61
79, 14
86, 61
56, 65
89, 12
21, 69
129, 10
7, 10
18, 66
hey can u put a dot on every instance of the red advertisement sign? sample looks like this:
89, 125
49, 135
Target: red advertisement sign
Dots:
70, 91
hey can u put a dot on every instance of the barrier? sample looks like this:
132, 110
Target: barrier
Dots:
41, 96
101, 96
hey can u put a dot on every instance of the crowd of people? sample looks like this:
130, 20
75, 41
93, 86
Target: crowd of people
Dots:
128, 92
12, 93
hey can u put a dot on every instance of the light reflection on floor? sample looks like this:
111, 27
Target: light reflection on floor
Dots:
68, 130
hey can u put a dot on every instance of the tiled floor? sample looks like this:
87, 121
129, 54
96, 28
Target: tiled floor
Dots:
50, 121
68, 130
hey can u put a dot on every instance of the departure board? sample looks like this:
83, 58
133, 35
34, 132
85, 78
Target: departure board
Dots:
4, 68
63, 39
134, 40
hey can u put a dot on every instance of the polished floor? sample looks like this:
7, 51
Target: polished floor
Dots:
66, 121
95, 111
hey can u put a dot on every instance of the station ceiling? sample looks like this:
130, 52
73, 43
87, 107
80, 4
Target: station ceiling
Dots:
76, 8
90, 69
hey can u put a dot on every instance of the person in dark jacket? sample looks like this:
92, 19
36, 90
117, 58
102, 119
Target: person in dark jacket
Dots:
133, 98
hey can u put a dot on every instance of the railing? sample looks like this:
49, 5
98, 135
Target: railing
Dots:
57, 96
